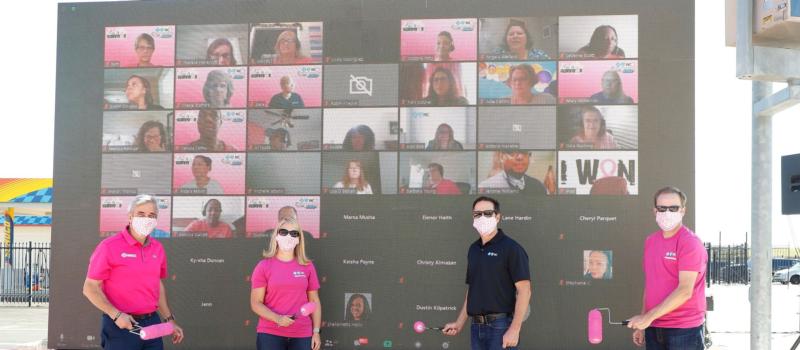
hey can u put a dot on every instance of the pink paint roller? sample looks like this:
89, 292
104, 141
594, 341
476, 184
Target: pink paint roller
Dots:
420, 327
154, 331
305, 310
596, 325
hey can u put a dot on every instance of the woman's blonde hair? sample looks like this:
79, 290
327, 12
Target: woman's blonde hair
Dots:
299, 250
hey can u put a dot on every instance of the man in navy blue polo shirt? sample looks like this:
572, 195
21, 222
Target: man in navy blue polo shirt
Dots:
499, 283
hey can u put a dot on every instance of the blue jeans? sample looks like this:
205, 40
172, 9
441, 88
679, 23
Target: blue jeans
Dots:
275, 342
674, 338
490, 336
114, 338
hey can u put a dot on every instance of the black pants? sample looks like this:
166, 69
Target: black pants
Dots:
114, 338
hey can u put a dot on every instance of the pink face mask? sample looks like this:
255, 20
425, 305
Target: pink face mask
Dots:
287, 243
143, 226
668, 220
484, 225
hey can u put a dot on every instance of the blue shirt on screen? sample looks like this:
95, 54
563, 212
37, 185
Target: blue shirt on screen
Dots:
278, 101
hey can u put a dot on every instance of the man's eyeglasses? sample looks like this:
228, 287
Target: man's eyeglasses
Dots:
672, 208
293, 233
486, 213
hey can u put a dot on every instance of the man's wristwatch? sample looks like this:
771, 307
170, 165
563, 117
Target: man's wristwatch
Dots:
316, 330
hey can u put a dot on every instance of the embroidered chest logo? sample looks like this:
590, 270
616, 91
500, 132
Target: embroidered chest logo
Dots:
491, 254
671, 256
299, 274
128, 255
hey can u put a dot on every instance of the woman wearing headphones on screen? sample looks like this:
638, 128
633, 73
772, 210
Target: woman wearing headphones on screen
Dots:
354, 178
281, 283
287, 49
211, 223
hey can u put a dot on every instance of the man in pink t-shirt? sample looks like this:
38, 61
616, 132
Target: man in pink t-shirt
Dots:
674, 263
124, 281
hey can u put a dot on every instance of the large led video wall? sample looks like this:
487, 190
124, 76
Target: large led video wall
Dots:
379, 123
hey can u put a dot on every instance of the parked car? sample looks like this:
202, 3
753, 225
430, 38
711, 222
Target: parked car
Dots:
783, 263
790, 275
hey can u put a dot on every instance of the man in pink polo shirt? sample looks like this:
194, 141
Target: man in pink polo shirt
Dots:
674, 263
124, 281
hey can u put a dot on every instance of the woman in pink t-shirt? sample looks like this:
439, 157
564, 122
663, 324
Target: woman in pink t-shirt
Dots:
281, 283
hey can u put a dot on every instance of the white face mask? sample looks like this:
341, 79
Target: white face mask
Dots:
143, 226
668, 220
484, 225
287, 243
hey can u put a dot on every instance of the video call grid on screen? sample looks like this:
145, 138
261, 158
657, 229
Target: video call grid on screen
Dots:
233, 46
544, 26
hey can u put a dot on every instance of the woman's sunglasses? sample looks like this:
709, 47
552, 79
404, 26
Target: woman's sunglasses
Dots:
293, 233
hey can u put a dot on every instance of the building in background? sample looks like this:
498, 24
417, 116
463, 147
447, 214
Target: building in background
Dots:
32, 200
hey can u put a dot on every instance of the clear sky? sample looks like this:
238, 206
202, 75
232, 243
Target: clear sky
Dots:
722, 119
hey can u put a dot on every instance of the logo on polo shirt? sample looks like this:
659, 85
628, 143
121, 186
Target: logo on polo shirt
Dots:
671, 256
128, 255
299, 274
492, 254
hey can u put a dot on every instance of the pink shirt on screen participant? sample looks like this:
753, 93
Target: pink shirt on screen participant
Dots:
256, 135
447, 187
603, 142
296, 60
131, 272
663, 259
222, 230
287, 285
